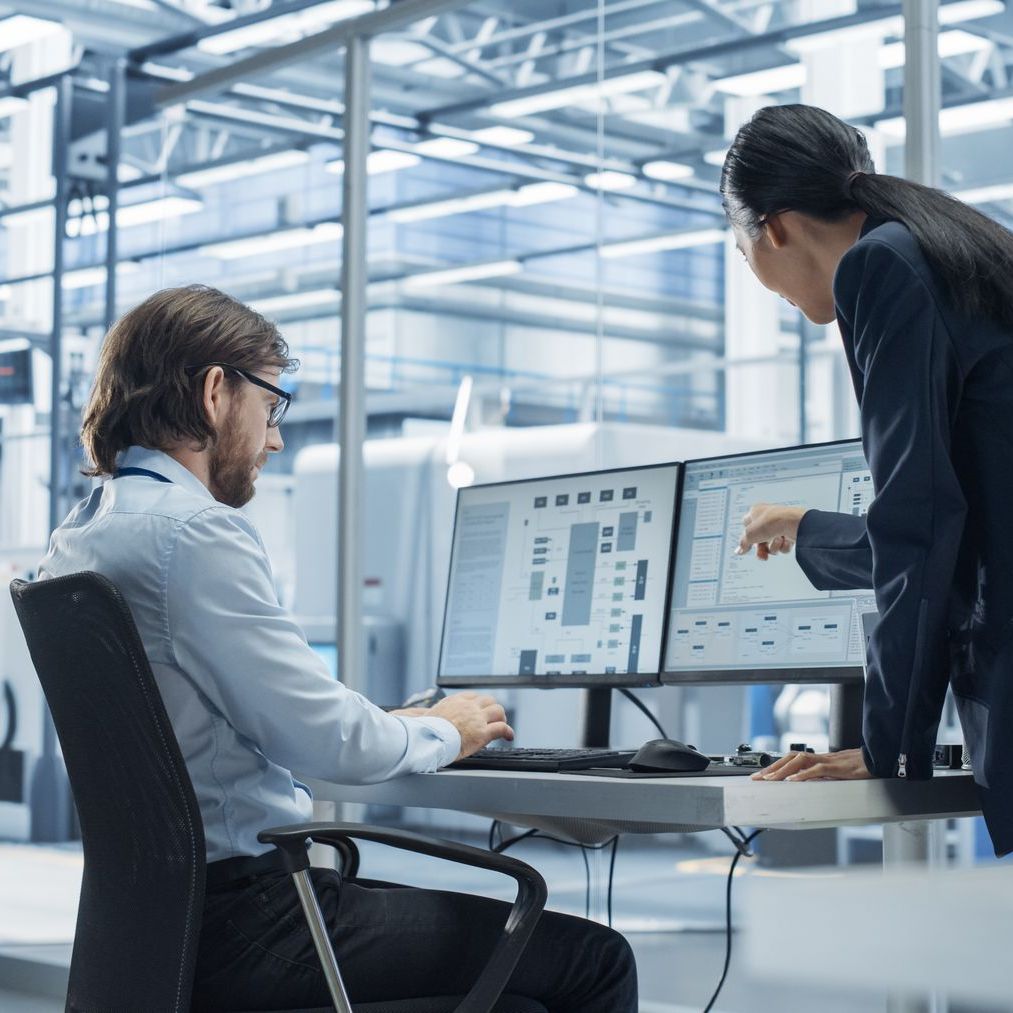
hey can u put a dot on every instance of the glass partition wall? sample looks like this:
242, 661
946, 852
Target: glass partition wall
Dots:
542, 243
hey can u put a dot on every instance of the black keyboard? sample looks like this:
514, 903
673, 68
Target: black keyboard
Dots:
544, 759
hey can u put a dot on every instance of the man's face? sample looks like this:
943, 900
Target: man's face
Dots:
243, 443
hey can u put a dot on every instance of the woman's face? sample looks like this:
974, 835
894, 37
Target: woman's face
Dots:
789, 257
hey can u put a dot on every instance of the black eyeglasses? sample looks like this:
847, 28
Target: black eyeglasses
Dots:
278, 409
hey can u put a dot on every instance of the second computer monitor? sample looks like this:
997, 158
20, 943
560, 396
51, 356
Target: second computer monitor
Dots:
736, 619
560, 581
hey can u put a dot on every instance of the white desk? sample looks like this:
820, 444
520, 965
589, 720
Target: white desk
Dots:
592, 809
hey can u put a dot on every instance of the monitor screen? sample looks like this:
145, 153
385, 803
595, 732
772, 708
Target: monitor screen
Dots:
560, 581
737, 619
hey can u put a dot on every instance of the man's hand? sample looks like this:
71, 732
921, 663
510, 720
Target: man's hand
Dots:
847, 765
771, 528
478, 718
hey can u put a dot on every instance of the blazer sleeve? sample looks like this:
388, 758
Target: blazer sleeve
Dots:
833, 551
910, 387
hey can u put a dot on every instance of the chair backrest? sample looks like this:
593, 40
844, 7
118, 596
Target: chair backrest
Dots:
142, 894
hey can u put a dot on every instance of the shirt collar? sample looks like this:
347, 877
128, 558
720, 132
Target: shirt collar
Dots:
161, 463
868, 225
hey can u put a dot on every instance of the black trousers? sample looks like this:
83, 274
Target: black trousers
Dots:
395, 942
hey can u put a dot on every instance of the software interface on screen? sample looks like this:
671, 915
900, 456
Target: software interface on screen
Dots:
732, 612
560, 576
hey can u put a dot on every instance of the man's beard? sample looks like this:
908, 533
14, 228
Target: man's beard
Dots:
231, 468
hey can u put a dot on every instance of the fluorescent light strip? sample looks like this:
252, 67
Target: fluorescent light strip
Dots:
667, 171
949, 14
533, 193
716, 157
295, 300
986, 194
453, 275
240, 169
502, 137
764, 82
86, 277
383, 160
284, 28
953, 43
955, 120
271, 242
608, 179
446, 147
21, 29
576, 94
145, 213
657, 244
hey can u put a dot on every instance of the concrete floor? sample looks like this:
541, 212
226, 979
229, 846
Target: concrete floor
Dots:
668, 899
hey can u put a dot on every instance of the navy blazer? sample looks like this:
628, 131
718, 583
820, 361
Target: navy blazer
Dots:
935, 390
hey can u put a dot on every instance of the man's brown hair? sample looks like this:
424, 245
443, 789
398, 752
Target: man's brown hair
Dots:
142, 395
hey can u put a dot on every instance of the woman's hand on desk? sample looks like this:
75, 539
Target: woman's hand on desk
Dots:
771, 528
478, 718
847, 765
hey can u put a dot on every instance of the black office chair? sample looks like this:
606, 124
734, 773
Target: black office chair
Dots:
142, 893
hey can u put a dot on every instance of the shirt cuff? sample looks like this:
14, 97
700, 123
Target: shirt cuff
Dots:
448, 735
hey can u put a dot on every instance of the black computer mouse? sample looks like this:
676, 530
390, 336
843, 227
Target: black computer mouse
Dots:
667, 754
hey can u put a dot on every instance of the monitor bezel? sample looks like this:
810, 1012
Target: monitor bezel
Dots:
592, 680
750, 676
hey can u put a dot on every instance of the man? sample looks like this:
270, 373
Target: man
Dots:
184, 411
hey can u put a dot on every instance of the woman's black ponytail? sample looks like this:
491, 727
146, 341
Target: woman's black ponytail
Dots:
802, 158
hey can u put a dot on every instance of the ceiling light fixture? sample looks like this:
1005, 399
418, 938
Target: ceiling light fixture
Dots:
525, 196
609, 179
454, 275
770, 81
621, 84
284, 28
658, 244
86, 277
446, 147
955, 120
382, 160
949, 14
670, 172
271, 242
244, 167
145, 213
502, 137
295, 300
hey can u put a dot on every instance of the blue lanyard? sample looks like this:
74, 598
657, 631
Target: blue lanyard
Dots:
123, 472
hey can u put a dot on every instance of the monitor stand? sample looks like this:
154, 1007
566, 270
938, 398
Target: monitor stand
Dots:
595, 717
846, 706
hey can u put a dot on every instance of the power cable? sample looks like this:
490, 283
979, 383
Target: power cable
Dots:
637, 702
741, 849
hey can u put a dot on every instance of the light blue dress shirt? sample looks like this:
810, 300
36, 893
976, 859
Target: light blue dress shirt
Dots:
249, 699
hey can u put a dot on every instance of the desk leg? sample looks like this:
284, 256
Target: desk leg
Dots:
919, 842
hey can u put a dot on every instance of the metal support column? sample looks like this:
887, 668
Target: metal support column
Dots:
351, 414
922, 91
115, 114
51, 807
61, 145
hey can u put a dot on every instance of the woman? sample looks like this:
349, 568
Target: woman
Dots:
922, 288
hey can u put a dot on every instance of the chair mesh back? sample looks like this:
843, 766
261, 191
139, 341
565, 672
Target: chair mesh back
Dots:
143, 889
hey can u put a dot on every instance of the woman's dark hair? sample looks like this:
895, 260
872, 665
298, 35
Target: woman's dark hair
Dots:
802, 158
142, 395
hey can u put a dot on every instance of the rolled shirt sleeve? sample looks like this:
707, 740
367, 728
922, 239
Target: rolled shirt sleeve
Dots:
245, 654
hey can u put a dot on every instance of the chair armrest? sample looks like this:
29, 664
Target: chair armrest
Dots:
520, 923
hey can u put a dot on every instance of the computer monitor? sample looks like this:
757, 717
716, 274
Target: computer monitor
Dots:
737, 619
560, 581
